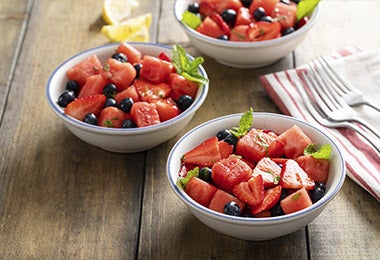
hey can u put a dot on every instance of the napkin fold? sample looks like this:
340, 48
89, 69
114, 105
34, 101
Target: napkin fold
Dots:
362, 69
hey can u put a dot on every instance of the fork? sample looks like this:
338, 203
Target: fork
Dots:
330, 102
345, 89
321, 118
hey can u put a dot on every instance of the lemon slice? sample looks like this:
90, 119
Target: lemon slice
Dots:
130, 28
117, 11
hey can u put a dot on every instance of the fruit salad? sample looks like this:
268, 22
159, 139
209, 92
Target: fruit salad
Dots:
247, 20
131, 89
253, 172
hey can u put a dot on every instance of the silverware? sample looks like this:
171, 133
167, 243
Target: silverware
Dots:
322, 118
330, 103
343, 88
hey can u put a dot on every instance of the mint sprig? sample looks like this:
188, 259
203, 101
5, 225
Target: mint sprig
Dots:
324, 152
245, 124
186, 67
306, 8
182, 181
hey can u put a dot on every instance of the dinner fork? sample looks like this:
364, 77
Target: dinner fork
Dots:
345, 89
321, 118
330, 102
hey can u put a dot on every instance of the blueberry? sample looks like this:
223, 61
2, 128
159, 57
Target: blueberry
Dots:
73, 86
128, 124
137, 67
246, 3
316, 194
110, 102
321, 186
205, 174
287, 2
66, 98
120, 57
267, 19
126, 104
232, 208
91, 119
276, 210
231, 139
184, 102
109, 90
223, 37
194, 8
259, 13
296, 1
222, 134
229, 16
287, 31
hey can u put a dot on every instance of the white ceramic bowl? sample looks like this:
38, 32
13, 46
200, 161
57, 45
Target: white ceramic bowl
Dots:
255, 228
113, 139
243, 54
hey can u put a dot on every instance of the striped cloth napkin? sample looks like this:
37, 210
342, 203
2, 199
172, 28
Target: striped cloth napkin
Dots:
361, 68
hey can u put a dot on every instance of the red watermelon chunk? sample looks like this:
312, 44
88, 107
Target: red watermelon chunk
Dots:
133, 54
229, 172
295, 141
144, 114
129, 92
254, 145
166, 108
296, 201
87, 67
121, 74
221, 198
182, 86
94, 85
200, 191
155, 70
149, 91
317, 169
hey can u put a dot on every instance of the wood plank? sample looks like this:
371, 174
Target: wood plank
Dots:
80, 203
13, 16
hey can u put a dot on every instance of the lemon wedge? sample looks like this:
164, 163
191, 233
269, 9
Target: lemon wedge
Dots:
117, 11
133, 28
141, 35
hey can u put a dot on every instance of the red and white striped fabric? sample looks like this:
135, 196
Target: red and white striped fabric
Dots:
362, 160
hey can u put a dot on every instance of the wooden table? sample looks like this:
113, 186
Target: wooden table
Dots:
61, 198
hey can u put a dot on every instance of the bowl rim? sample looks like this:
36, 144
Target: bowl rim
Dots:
244, 45
122, 131
247, 220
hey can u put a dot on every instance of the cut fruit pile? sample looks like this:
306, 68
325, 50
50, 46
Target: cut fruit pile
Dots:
120, 27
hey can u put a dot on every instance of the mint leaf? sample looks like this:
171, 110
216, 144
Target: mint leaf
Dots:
245, 124
186, 67
323, 153
191, 19
182, 181
306, 8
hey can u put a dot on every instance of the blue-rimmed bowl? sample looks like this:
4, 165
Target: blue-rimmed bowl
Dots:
243, 54
255, 228
113, 139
